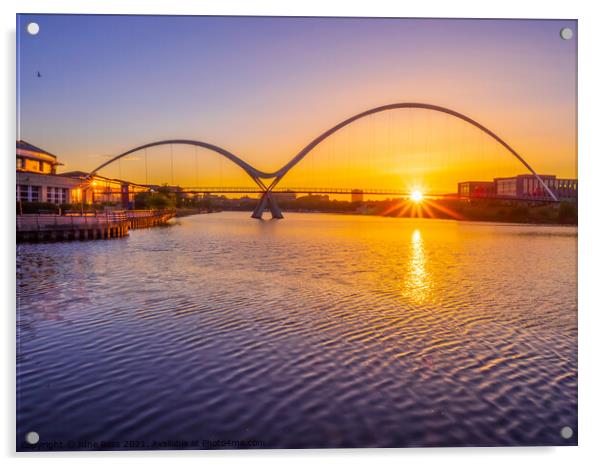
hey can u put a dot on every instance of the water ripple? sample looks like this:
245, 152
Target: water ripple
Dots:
317, 331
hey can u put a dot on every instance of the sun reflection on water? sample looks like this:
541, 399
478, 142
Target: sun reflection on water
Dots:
418, 282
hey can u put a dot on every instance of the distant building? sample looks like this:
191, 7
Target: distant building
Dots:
476, 189
285, 196
520, 187
217, 200
529, 187
357, 195
314, 197
566, 189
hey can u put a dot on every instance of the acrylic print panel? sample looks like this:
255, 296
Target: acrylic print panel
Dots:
271, 232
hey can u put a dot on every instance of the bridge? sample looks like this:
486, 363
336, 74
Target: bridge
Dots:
267, 182
397, 193
310, 191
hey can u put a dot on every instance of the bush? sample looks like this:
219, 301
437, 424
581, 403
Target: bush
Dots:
157, 200
37, 208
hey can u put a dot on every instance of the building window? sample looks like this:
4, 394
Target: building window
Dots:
20, 163
507, 187
35, 194
57, 195
76, 195
28, 193
22, 193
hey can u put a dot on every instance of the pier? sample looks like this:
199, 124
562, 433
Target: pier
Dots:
87, 226
149, 218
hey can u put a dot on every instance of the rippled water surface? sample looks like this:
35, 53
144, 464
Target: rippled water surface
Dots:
313, 331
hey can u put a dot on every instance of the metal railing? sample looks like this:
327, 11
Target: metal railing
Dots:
257, 190
148, 213
364, 191
29, 222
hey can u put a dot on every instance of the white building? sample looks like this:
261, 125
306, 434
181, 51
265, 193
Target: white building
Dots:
37, 180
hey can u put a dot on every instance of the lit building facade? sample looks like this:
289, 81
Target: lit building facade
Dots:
476, 189
523, 187
32, 159
102, 190
529, 187
38, 181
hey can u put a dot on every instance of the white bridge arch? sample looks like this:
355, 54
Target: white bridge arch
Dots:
259, 176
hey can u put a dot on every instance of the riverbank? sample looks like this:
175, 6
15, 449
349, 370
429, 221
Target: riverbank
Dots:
481, 210
186, 211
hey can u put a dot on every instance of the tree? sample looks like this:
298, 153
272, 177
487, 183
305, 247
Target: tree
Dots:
161, 199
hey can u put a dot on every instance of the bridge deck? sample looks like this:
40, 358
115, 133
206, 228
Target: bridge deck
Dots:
346, 191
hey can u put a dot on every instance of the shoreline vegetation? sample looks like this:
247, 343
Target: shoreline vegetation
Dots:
482, 210
491, 210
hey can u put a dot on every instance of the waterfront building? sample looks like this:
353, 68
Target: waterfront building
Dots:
34, 187
566, 189
38, 181
476, 189
103, 190
524, 187
529, 187
32, 159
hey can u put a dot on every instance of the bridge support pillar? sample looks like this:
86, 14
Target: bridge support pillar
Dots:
267, 200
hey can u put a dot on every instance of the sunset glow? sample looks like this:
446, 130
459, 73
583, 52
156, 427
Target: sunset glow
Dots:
416, 196
287, 96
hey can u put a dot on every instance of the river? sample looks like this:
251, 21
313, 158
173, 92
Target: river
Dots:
318, 330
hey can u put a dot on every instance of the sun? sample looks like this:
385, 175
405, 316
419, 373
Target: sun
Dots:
416, 196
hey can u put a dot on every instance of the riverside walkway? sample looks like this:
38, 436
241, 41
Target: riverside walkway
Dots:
87, 226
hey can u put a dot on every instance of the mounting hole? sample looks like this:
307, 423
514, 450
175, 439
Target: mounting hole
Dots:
566, 33
33, 28
32, 438
566, 432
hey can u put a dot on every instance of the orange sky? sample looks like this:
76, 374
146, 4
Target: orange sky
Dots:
264, 87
